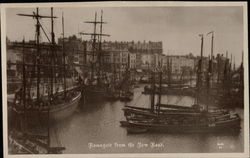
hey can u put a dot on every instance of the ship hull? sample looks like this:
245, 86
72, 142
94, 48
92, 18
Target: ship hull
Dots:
64, 110
57, 112
226, 126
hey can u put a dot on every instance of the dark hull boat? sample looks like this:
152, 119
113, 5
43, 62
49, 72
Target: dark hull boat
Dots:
172, 110
229, 125
181, 120
93, 93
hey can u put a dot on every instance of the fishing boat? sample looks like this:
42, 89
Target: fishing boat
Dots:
178, 118
194, 125
174, 118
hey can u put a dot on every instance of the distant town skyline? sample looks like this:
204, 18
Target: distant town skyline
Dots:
177, 27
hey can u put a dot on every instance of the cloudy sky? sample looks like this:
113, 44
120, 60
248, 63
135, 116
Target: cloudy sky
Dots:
177, 27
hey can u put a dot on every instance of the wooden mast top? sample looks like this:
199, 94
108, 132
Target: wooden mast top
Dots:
199, 73
64, 74
37, 16
96, 36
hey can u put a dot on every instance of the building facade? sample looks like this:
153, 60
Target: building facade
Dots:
179, 63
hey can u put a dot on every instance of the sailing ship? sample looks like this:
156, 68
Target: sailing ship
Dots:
172, 118
31, 114
49, 93
97, 86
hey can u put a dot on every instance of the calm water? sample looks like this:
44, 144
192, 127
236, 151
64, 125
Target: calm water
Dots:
98, 123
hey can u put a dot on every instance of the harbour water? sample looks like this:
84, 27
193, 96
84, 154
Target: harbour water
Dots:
95, 128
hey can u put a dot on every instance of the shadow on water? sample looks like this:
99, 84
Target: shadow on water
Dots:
98, 122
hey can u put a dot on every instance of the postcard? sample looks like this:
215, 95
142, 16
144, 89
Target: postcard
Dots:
125, 79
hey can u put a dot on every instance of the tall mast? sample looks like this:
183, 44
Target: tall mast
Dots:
212, 42
38, 26
168, 69
231, 61
128, 68
52, 51
242, 58
93, 35
94, 39
153, 92
38, 54
159, 95
201, 49
199, 73
24, 87
64, 74
234, 64
100, 49
218, 68
100, 39
93, 48
209, 75
242, 75
212, 55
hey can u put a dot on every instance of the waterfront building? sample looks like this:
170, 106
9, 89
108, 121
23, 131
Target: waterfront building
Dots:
132, 62
143, 54
179, 63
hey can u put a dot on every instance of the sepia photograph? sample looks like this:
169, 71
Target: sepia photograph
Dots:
125, 79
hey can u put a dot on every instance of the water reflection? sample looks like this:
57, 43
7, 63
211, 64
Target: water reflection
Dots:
98, 123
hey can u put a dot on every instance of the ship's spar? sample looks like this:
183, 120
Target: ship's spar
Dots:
57, 110
173, 118
37, 16
96, 51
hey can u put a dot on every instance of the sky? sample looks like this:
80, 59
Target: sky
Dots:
177, 27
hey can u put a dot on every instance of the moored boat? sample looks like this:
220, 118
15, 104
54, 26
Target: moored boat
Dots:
58, 110
175, 119
227, 125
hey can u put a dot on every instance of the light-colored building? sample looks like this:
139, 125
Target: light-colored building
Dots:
145, 54
179, 63
146, 60
141, 54
132, 63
